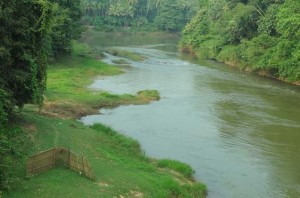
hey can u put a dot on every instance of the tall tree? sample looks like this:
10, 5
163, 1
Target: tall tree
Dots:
66, 26
24, 31
24, 38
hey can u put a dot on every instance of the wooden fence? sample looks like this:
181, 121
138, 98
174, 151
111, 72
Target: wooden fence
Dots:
59, 157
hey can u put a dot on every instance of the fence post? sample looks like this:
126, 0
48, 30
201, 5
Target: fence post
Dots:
82, 164
69, 158
54, 157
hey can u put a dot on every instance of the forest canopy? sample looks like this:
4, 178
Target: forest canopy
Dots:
165, 15
258, 35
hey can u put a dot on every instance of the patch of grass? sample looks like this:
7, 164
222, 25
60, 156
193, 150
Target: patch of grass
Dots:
83, 50
125, 54
126, 145
120, 61
177, 166
148, 95
197, 190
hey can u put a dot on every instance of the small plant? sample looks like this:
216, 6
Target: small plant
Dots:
149, 94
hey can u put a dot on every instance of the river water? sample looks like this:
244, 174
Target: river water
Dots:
238, 131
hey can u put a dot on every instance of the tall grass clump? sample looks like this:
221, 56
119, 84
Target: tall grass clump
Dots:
180, 167
129, 146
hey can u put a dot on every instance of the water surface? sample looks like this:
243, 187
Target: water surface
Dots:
240, 132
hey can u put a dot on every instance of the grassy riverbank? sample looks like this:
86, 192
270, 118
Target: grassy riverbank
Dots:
67, 93
120, 167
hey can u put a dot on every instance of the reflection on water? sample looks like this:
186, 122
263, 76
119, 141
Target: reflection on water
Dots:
240, 132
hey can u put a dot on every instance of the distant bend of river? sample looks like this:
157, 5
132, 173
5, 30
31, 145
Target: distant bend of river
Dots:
239, 132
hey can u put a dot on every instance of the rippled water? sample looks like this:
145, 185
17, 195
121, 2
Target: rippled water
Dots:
240, 132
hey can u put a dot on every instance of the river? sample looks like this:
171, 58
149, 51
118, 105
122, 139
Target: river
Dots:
239, 132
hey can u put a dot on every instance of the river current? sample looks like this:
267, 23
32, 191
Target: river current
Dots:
239, 132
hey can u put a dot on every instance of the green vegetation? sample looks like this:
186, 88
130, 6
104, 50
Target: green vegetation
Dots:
31, 33
120, 167
117, 162
66, 26
125, 54
120, 61
182, 168
150, 15
256, 35
67, 81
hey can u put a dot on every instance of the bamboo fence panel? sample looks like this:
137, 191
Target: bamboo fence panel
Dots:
56, 157
41, 162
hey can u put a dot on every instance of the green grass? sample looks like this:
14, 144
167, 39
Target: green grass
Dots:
125, 54
179, 167
118, 163
120, 61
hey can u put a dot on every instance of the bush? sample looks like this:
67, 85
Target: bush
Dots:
5, 106
11, 153
230, 54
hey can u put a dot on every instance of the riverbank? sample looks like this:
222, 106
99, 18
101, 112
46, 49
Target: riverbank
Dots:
237, 64
118, 163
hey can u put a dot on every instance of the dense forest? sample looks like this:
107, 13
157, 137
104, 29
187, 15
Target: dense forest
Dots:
151, 15
32, 32
257, 35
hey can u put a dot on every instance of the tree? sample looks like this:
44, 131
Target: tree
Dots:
66, 27
25, 30
260, 34
169, 17
24, 38
136, 13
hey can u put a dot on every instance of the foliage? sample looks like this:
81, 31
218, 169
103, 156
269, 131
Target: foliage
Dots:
170, 17
12, 141
164, 15
23, 55
30, 31
257, 34
66, 26
5, 107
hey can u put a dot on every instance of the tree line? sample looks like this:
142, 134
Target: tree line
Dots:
259, 35
32, 32
165, 15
